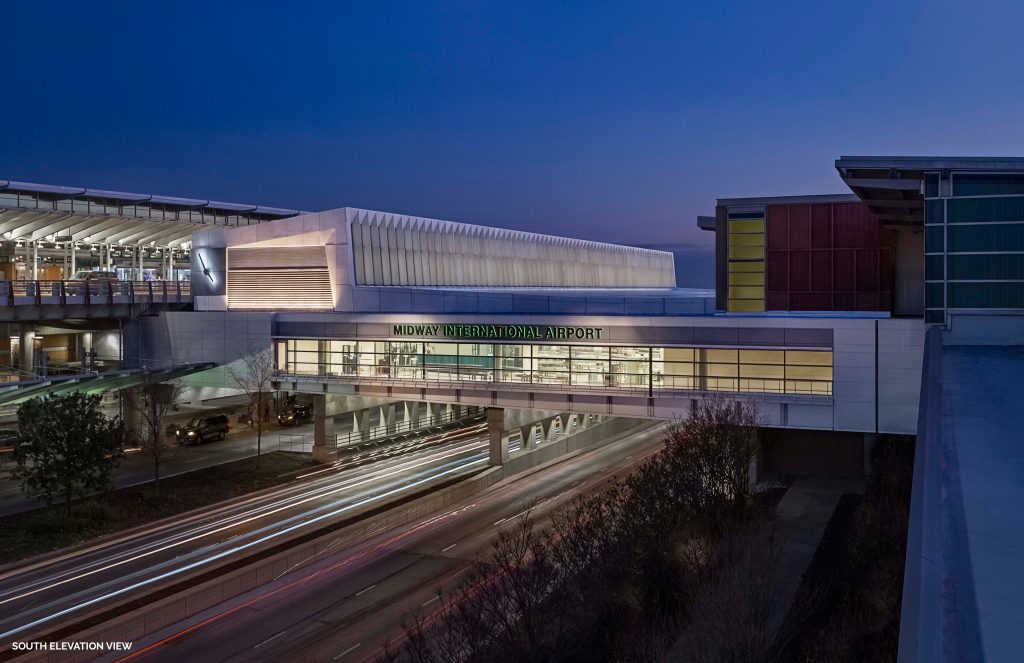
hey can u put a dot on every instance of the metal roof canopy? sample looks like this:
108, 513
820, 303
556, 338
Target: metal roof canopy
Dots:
893, 187
95, 382
98, 216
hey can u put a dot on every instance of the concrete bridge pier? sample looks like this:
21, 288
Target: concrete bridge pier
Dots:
325, 443
496, 433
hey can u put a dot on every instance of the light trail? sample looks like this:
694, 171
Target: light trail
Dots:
232, 521
475, 456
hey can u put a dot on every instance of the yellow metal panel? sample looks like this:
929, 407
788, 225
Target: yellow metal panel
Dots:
746, 240
746, 226
746, 267
746, 292
746, 279
746, 252
746, 305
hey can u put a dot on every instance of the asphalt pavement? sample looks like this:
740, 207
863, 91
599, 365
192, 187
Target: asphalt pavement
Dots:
346, 606
58, 588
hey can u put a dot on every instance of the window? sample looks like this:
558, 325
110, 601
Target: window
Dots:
588, 366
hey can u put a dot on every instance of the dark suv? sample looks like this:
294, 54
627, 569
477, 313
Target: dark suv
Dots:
294, 415
204, 429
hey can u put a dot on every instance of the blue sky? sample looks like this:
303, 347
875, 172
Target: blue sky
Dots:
605, 120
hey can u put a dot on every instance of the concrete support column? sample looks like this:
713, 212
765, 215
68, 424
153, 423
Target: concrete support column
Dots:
74, 260
496, 433
361, 423
325, 443
27, 348
435, 410
387, 418
528, 437
413, 413
35, 261
87, 358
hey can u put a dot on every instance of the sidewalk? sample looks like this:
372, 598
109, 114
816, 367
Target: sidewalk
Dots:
800, 520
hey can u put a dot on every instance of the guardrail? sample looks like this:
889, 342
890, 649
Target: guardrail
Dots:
559, 387
304, 441
37, 293
406, 426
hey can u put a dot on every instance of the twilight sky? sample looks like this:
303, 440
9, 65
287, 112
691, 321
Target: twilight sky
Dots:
616, 121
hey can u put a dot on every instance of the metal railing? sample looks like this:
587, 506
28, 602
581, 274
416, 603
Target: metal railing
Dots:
405, 426
375, 434
38, 293
560, 387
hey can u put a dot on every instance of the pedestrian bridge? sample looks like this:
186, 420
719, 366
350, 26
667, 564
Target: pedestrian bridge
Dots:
57, 300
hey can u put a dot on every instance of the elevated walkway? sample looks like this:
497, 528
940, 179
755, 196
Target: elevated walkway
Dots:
15, 393
59, 300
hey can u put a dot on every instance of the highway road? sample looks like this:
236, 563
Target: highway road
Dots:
345, 607
54, 590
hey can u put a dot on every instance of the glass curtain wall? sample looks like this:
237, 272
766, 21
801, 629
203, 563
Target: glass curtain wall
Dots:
588, 366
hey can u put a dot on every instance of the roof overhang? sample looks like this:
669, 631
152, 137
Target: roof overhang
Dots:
893, 187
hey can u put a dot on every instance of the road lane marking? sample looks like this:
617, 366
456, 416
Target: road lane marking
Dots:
448, 548
350, 649
424, 605
273, 637
365, 590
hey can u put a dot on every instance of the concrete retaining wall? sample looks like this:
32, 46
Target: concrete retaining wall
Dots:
192, 601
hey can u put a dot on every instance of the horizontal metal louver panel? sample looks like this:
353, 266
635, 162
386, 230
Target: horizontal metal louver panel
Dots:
284, 256
268, 289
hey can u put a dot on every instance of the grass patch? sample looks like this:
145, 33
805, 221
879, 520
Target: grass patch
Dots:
42, 530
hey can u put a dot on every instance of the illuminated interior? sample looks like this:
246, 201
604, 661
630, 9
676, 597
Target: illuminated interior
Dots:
594, 366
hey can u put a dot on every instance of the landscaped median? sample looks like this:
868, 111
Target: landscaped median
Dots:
45, 529
133, 618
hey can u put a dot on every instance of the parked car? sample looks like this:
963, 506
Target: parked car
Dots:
204, 429
293, 415
9, 438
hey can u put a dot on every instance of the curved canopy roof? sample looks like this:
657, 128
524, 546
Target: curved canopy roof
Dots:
47, 212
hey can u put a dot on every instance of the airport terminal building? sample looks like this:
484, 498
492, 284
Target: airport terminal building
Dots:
895, 307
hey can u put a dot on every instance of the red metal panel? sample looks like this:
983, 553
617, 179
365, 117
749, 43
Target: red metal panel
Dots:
776, 271
867, 301
799, 271
777, 301
867, 270
821, 271
845, 263
810, 301
830, 256
821, 226
844, 301
799, 227
776, 228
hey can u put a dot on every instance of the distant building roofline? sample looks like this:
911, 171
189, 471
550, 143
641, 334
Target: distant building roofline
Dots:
57, 192
787, 200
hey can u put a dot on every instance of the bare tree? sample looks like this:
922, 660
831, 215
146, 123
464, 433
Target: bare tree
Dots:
152, 403
254, 377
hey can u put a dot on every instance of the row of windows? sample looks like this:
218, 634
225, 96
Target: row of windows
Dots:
997, 238
977, 184
724, 369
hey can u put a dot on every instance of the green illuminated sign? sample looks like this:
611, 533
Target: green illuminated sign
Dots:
499, 331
